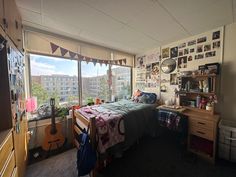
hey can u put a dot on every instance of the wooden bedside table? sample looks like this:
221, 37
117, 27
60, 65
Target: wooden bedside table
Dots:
202, 133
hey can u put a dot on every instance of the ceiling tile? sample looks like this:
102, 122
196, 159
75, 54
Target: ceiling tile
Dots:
121, 10
156, 22
33, 5
202, 15
30, 16
80, 15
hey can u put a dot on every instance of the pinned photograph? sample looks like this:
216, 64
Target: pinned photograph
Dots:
148, 68
207, 47
193, 42
182, 62
181, 53
216, 35
199, 49
191, 50
155, 68
190, 58
182, 45
210, 54
173, 52
166, 52
173, 79
140, 62
186, 51
216, 44
202, 39
199, 56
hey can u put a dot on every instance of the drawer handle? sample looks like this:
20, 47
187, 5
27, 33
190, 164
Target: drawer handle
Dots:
201, 123
201, 132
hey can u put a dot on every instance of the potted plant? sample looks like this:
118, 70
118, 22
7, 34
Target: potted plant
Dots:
211, 101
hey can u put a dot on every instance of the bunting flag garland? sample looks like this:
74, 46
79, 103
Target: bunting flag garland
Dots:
124, 60
72, 54
64, 51
54, 47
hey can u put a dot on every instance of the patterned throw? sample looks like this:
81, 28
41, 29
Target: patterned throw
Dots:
109, 124
169, 119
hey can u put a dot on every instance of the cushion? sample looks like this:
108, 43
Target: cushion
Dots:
137, 93
148, 98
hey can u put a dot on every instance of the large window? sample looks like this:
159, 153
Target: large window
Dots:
121, 82
59, 78
54, 77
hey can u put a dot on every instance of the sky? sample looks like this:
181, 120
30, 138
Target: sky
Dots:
44, 65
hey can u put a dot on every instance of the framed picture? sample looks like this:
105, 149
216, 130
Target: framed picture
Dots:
207, 47
166, 52
213, 68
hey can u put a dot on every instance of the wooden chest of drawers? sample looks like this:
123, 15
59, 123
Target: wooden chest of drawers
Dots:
7, 154
202, 133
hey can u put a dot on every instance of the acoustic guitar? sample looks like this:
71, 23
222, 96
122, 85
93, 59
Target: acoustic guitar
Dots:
53, 133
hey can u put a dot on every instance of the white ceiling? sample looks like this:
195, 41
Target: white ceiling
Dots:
133, 26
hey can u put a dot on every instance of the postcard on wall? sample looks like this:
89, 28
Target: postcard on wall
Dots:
141, 62
165, 52
152, 58
216, 45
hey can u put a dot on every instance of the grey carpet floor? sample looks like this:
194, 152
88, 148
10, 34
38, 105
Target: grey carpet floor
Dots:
152, 157
62, 165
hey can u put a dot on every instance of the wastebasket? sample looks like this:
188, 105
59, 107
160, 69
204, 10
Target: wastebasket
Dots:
227, 140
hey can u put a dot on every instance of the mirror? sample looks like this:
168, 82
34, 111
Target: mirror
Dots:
168, 66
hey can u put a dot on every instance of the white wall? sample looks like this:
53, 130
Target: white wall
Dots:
228, 75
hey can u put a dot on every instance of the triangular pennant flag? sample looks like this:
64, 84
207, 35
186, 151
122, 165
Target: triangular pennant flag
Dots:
116, 62
94, 61
106, 62
72, 54
63, 51
120, 61
124, 60
79, 56
54, 47
86, 59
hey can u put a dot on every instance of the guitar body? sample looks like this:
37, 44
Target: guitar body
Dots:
55, 140
53, 133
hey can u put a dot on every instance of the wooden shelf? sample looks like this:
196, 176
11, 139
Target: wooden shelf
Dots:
194, 76
199, 110
199, 93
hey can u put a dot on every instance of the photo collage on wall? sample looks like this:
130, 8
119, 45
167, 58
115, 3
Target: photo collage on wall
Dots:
199, 48
147, 71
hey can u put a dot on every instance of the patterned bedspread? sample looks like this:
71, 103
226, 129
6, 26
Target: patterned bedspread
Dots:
110, 121
109, 124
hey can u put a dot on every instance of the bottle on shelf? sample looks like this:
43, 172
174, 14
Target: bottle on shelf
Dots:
198, 100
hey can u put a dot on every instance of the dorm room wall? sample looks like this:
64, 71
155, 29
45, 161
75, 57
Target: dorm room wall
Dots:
227, 96
164, 79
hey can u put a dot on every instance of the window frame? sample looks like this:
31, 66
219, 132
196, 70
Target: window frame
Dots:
79, 72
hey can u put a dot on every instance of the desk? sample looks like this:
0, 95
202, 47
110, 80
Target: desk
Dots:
170, 108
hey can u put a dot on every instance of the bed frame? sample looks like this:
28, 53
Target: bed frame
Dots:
84, 123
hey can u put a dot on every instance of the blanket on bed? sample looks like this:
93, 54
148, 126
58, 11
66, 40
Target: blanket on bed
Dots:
110, 120
109, 124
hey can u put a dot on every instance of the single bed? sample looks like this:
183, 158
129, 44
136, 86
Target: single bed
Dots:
114, 127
